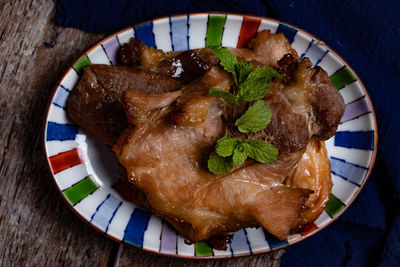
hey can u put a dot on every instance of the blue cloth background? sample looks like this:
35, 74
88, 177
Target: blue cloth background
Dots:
367, 34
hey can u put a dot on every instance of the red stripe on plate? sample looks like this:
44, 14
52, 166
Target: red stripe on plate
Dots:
66, 160
248, 30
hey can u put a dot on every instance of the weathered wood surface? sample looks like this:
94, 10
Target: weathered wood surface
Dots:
36, 227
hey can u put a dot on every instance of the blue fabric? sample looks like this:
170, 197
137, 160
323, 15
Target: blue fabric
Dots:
367, 34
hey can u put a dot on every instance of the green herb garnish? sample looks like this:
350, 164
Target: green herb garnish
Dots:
256, 84
234, 151
227, 96
218, 164
226, 59
261, 151
256, 118
252, 84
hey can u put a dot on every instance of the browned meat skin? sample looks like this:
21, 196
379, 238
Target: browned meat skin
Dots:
207, 56
139, 105
311, 93
185, 66
136, 53
168, 163
287, 131
201, 205
313, 172
328, 105
95, 103
166, 159
304, 104
267, 48
130, 53
193, 104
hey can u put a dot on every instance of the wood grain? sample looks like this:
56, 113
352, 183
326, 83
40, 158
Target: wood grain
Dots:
37, 228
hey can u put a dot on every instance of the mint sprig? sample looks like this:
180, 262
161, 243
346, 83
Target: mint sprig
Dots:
226, 59
226, 145
261, 151
218, 164
253, 84
227, 96
232, 151
256, 118
239, 155
256, 84
242, 70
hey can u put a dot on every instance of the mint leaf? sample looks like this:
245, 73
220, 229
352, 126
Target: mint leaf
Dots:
226, 145
226, 57
228, 97
255, 119
257, 83
243, 70
218, 164
239, 155
261, 151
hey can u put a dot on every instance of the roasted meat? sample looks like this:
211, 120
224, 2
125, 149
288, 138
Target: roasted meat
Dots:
185, 66
266, 49
167, 161
313, 172
171, 129
95, 103
204, 204
304, 104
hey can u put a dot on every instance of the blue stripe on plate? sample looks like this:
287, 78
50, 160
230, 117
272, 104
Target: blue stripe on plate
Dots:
316, 53
357, 140
288, 31
307, 49
60, 132
145, 33
240, 242
248, 241
105, 212
60, 99
179, 33
321, 58
348, 171
137, 225
273, 241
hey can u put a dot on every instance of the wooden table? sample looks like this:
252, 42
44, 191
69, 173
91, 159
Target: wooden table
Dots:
36, 226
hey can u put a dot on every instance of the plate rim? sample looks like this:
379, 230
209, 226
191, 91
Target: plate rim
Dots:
194, 257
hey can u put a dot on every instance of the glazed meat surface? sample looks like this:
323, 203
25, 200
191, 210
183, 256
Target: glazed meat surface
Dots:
304, 105
185, 66
266, 49
313, 172
171, 128
168, 163
95, 103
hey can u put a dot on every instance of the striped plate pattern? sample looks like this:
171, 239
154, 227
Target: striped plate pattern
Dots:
84, 170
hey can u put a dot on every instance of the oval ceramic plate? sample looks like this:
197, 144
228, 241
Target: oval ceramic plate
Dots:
84, 170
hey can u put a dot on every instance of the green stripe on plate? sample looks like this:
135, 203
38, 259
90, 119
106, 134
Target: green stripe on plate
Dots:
81, 63
342, 77
203, 249
215, 29
80, 190
334, 206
